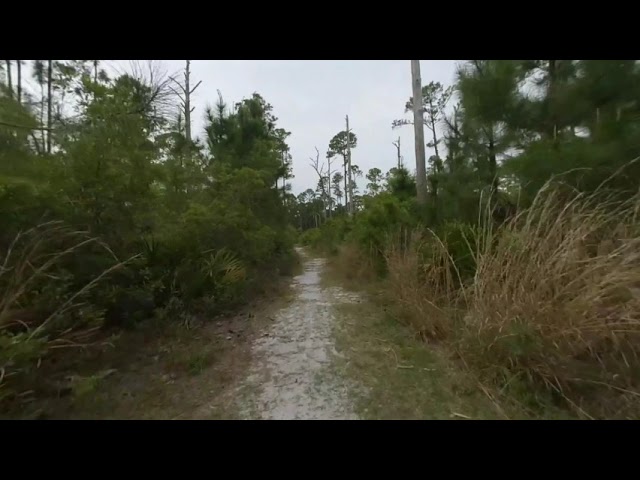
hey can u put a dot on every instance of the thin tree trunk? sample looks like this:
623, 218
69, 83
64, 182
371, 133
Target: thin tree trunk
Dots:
187, 102
434, 199
346, 189
551, 94
42, 131
397, 145
9, 79
493, 167
436, 166
19, 67
36, 144
49, 102
284, 174
95, 71
418, 126
349, 169
329, 187
433, 132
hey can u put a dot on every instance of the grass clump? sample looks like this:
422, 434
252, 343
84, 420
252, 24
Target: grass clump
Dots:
555, 301
544, 307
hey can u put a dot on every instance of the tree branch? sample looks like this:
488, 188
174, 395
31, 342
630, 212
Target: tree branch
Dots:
194, 88
179, 84
319, 169
25, 127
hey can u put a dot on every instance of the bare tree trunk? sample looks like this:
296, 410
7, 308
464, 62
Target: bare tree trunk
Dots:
36, 143
185, 97
349, 167
19, 67
493, 167
418, 127
319, 169
49, 102
95, 71
346, 189
329, 188
284, 175
42, 131
434, 199
187, 101
432, 127
551, 94
9, 79
436, 164
397, 145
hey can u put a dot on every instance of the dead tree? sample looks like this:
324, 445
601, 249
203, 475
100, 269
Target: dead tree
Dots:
319, 169
418, 127
152, 74
184, 94
397, 145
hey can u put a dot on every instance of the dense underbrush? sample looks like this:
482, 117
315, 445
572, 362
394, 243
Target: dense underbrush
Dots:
544, 306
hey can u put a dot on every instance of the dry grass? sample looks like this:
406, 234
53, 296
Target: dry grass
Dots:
421, 282
553, 312
354, 265
556, 301
396, 376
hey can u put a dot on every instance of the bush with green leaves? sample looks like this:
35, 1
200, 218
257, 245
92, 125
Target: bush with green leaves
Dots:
329, 236
158, 220
383, 216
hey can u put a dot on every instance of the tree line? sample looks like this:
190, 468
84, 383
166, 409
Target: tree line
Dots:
113, 212
516, 241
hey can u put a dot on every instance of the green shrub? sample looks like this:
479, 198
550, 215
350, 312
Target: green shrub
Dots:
374, 227
311, 237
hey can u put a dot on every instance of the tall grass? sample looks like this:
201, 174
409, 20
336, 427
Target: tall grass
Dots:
422, 280
40, 308
553, 308
555, 301
355, 264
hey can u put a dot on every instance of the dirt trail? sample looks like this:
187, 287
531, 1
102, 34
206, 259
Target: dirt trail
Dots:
292, 375
311, 351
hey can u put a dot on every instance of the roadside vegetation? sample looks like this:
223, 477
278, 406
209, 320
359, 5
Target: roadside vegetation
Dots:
511, 270
114, 218
523, 265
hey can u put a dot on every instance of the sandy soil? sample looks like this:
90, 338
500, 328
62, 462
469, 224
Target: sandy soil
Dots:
292, 375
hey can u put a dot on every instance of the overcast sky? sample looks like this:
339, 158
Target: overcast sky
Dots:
312, 97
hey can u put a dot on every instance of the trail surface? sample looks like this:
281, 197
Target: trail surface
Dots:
311, 351
292, 374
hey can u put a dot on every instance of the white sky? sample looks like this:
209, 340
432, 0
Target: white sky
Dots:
310, 98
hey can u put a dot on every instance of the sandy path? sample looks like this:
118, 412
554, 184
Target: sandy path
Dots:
291, 376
